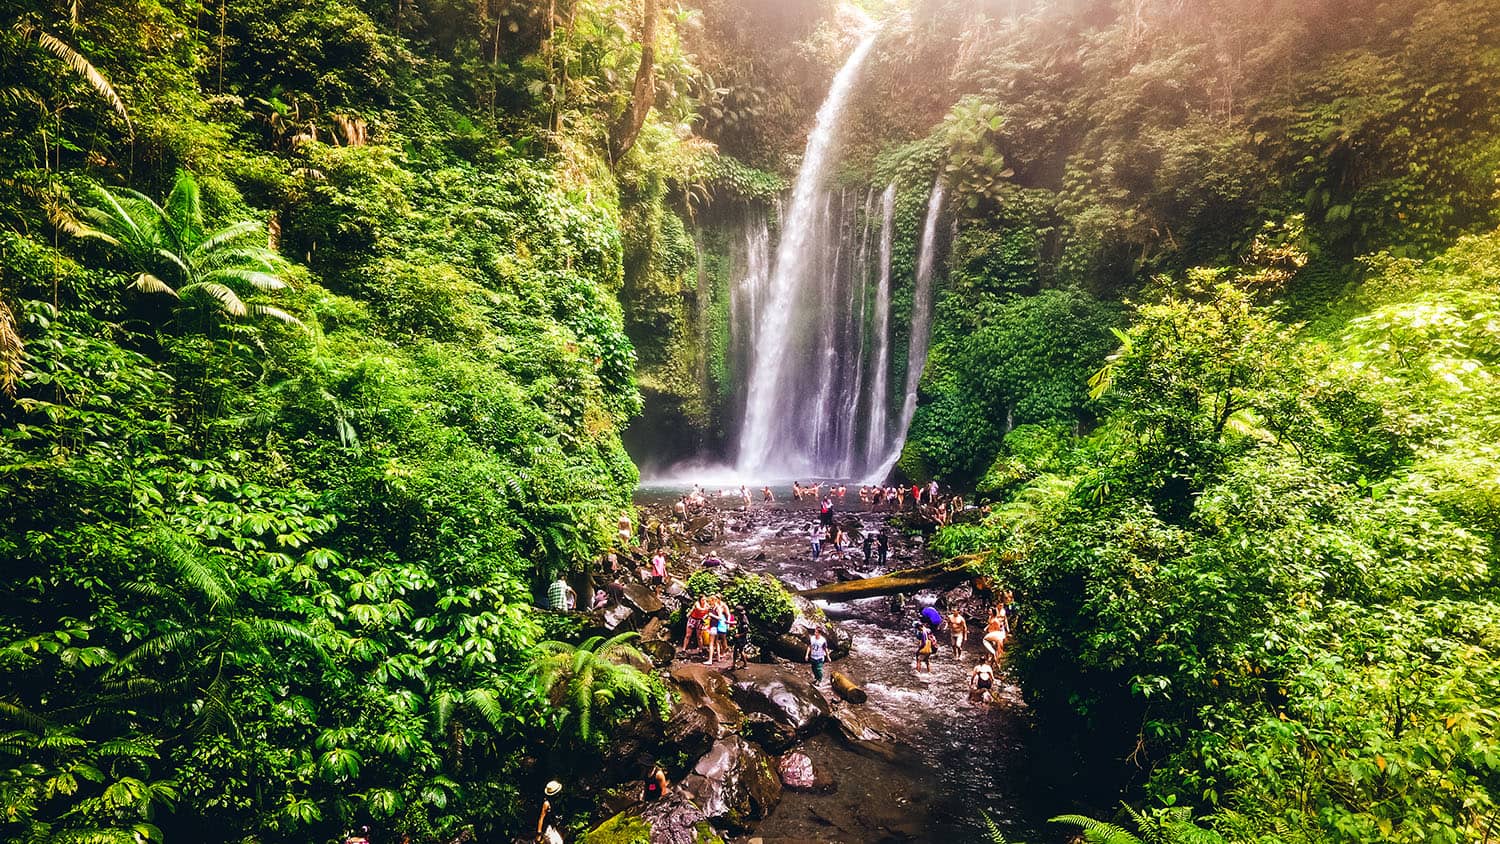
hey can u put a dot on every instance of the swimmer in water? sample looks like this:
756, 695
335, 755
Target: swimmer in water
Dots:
982, 683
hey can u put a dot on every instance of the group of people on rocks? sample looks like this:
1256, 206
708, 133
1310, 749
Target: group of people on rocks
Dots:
717, 631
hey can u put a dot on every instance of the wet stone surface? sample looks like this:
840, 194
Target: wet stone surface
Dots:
916, 762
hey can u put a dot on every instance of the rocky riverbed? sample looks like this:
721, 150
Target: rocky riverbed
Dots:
761, 754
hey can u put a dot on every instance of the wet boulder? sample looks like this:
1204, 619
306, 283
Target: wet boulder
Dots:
787, 698
672, 820
700, 687
641, 599
800, 773
735, 783
617, 617
691, 730
772, 734
865, 733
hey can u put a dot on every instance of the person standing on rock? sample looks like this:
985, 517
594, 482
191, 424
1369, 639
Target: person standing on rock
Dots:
658, 572
766, 495
655, 786
869, 541
817, 653
546, 833
883, 544
625, 531
815, 536
741, 638
745, 496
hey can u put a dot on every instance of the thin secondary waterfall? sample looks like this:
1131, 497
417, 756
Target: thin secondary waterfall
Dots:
921, 326
856, 329
880, 376
781, 431
751, 269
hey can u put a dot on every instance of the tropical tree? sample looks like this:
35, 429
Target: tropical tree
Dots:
173, 252
592, 681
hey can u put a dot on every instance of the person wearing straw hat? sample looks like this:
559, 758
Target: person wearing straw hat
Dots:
545, 832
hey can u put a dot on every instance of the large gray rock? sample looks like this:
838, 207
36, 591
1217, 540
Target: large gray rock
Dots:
641, 599
735, 783
800, 773
616, 617
808, 616
789, 698
864, 732
701, 687
671, 820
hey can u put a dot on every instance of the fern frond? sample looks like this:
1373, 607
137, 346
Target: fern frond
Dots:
1097, 831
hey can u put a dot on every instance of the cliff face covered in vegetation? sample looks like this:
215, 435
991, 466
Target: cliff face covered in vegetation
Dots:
320, 324
314, 367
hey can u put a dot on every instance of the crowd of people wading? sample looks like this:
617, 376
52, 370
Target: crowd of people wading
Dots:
717, 632
659, 554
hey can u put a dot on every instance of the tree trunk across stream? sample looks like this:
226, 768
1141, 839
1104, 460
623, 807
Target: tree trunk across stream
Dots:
953, 761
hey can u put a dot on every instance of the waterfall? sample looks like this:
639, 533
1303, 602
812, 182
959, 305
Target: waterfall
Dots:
921, 326
855, 364
750, 273
792, 362
880, 377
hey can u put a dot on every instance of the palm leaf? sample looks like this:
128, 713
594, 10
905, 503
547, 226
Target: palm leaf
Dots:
22, 716
167, 643
223, 237
278, 314
12, 351
229, 301
184, 205
254, 278
81, 66
196, 569
148, 283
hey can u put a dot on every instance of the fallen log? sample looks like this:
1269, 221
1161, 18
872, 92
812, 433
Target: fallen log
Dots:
936, 576
848, 689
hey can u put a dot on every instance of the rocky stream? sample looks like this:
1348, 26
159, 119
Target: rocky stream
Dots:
761, 754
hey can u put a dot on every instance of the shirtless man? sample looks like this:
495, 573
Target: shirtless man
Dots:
958, 628
766, 495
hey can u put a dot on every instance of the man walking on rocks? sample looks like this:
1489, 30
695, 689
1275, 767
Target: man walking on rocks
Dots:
817, 653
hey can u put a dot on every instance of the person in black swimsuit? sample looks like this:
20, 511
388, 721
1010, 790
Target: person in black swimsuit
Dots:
981, 683
656, 785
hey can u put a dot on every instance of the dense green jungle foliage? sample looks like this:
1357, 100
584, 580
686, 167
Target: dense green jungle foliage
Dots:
320, 323
313, 369
1219, 346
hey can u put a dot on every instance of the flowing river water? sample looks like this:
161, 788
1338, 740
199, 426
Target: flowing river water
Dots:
957, 762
